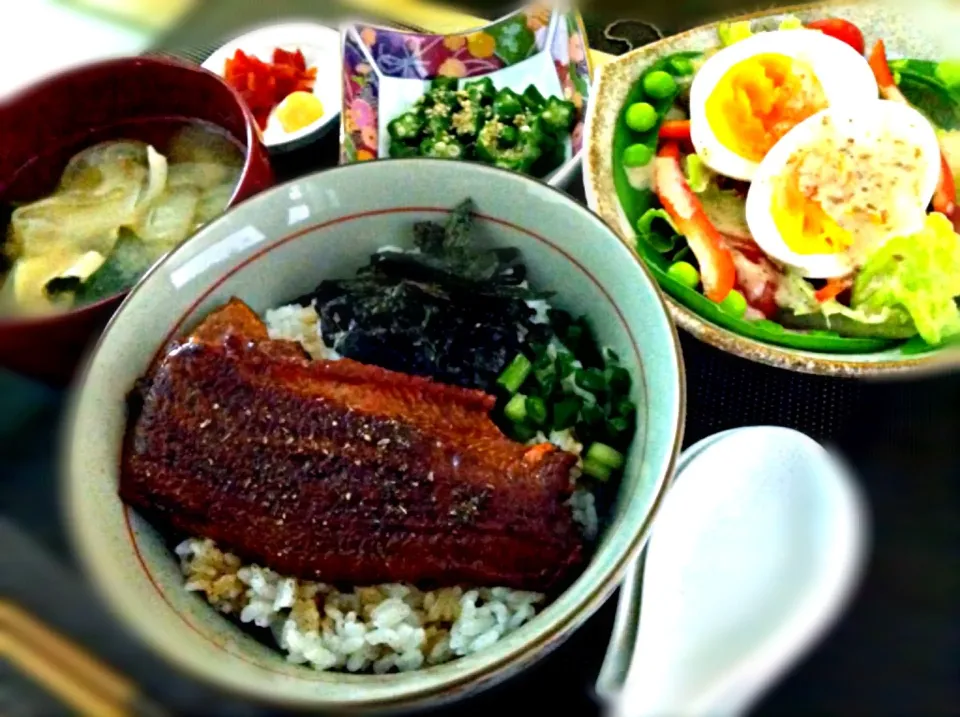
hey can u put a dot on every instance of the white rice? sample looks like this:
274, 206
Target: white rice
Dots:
380, 628
301, 324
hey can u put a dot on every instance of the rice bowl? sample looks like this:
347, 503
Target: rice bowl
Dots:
144, 576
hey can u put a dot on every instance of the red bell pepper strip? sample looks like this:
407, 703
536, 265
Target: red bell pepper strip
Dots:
884, 76
945, 197
833, 288
678, 130
842, 30
717, 271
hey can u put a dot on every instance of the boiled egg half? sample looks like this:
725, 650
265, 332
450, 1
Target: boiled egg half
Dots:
747, 96
841, 183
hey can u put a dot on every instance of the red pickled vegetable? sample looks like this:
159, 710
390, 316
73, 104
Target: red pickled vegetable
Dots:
264, 85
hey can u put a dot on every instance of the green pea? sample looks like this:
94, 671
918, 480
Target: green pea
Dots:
682, 65
684, 273
659, 85
734, 304
641, 117
637, 155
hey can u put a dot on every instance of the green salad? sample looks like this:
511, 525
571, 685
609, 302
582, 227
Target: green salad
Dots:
796, 188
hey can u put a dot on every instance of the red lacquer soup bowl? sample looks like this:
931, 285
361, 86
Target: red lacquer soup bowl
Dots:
44, 125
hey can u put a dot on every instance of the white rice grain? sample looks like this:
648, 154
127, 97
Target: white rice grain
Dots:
394, 627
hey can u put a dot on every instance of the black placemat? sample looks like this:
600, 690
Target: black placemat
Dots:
897, 651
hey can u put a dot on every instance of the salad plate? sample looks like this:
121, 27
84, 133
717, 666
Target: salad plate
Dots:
750, 164
512, 93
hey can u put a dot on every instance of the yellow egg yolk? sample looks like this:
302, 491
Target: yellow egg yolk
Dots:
759, 100
803, 223
846, 193
299, 110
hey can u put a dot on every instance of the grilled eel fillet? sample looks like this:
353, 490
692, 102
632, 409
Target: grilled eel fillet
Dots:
342, 472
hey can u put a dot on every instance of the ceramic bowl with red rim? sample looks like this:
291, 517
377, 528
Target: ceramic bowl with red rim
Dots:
299, 65
650, 127
538, 51
139, 99
270, 252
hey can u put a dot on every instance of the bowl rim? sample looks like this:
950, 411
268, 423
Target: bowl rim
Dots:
12, 323
728, 341
520, 657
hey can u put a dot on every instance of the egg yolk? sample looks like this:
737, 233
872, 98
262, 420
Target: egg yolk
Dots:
299, 110
759, 100
803, 223
845, 193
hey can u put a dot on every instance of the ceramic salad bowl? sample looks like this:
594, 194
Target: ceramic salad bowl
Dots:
385, 71
763, 336
277, 247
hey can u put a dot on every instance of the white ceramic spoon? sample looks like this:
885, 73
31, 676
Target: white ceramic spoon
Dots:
752, 557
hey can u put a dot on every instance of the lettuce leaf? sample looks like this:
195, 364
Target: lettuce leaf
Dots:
918, 274
699, 175
730, 33
800, 309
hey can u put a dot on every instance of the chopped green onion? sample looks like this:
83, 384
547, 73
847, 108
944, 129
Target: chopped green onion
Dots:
617, 379
617, 427
598, 471
516, 408
735, 304
610, 355
684, 273
591, 414
590, 379
546, 376
565, 364
641, 116
565, 413
523, 433
625, 408
536, 410
605, 455
515, 374
659, 84
573, 336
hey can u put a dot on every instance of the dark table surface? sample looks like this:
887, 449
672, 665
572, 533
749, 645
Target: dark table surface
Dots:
895, 652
